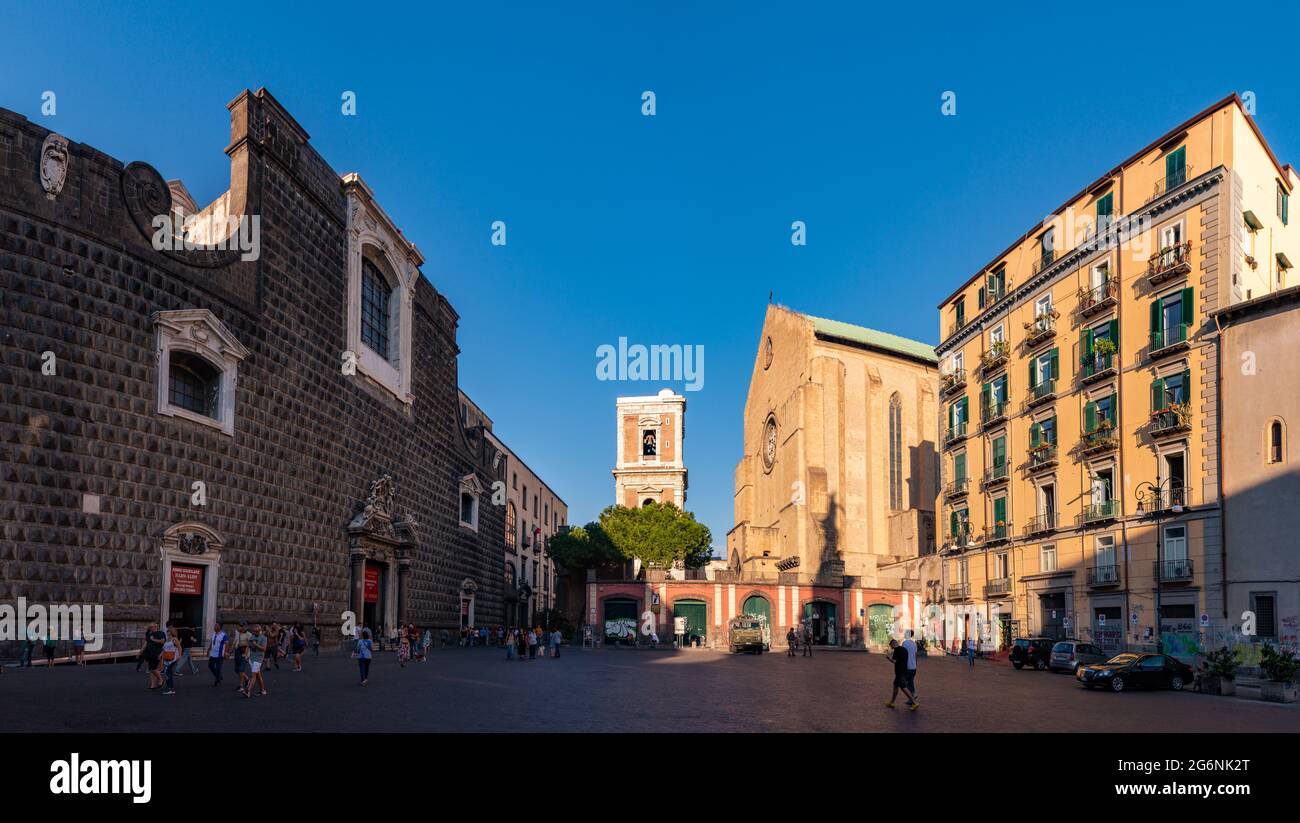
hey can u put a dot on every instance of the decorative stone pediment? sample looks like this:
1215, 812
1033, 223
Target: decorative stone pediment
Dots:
200, 330
472, 484
376, 515
191, 539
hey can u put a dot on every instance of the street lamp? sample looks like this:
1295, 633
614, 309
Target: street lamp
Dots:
1152, 497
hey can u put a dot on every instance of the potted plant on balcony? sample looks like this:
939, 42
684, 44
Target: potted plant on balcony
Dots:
1280, 667
1103, 348
1218, 674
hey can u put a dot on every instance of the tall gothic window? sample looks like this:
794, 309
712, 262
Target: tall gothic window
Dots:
194, 384
895, 452
511, 541
375, 295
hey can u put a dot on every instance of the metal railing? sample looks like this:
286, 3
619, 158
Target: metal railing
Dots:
1104, 574
993, 412
1100, 439
953, 380
1165, 498
1040, 328
957, 325
1044, 522
1172, 181
998, 587
1179, 570
1168, 338
1045, 258
1105, 510
1043, 390
1169, 262
955, 432
957, 487
1042, 457
959, 591
997, 532
1097, 365
1170, 421
996, 356
996, 473
1098, 297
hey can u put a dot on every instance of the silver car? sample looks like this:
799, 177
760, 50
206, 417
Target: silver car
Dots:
1069, 655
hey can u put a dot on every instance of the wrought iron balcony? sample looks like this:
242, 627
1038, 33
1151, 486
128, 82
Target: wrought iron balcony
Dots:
998, 587
1169, 263
953, 380
996, 474
1041, 524
957, 325
961, 538
1106, 574
957, 488
1172, 181
1098, 367
1046, 257
1100, 440
993, 413
959, 591
1173, 420
1099, 512
955, 433
997, 533
1042, 327
995, 358
1042, 392
1154, 498
1170, 340
1174, 571
1042, 457
1098, 297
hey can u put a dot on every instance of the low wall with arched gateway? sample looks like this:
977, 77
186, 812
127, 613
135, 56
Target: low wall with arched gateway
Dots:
847, 617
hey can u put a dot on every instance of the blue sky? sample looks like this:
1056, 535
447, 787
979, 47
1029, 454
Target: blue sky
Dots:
667, 229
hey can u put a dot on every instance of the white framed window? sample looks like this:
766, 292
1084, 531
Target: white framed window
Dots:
1099, 273
996, 336
383, 269
1043, 305
471, 489
1105, 550
1175, 544
1047, 558
1001, 567
198, 363
1171, 235
958, 362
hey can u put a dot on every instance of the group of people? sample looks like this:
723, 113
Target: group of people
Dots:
903, 656
526, 644
167, 652
799, 639
50, 645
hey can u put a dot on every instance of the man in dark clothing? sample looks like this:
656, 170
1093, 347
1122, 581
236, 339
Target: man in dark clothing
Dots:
791, 642
899, 656
807, 640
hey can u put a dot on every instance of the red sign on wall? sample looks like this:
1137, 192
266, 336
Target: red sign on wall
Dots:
187, 580
372, 584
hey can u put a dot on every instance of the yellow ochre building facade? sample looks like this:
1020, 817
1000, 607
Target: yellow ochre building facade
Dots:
1079, 431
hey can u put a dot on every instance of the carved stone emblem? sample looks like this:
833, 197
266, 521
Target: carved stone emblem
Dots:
191, 543
54, 164
377, 515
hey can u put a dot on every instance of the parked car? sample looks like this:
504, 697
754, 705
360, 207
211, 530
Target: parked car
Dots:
746, 635
1130, 670
1069, 655
1031, 651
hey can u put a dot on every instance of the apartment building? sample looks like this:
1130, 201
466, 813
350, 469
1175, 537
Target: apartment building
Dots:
1080, 463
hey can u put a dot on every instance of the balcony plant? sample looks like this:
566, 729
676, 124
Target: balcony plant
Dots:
1042, 321
1103, 348
1218, 673
1280, 667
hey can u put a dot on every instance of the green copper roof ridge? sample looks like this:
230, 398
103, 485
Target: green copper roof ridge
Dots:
874, 337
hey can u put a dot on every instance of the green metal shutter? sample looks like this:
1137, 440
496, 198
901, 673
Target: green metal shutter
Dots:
959, 466
1056, 364
953, 532
1000, 510
1114, 333
1187, 386
1090, 417
1086, 345
951, 408
965, 409
1035, 436
981, 297
1114, 409
1054, 435
1189, 307
1176, 162
1157, 320
999, 450
757, 606
1033, 373
1157, 394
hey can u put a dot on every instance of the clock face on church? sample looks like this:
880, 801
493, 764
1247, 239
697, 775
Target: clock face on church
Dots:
769, 443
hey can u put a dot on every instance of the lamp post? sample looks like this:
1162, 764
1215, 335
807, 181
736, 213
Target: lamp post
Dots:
1151, 498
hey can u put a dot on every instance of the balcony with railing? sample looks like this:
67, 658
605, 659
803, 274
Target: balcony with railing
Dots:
1042, 524
996, 293
1169, 263
1100, 439
1167, 422
996, 474
1046, 257
1042, 392
1170, 340
997, 587
952, 381
957, 488
997, 533
995, 358
1041, 457
1099, 512
1104, 574
1097, 366
1174, 571
1098, 297
959, 591
1041, 328
955, 433
1171, 181
993, 413
956, 326
1154, 498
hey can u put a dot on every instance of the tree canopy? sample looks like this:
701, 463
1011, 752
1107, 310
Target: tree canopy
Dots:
658, 533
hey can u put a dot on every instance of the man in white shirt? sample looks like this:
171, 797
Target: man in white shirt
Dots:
217, 653
910, 645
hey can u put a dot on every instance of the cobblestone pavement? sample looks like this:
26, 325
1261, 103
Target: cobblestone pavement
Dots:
614, 690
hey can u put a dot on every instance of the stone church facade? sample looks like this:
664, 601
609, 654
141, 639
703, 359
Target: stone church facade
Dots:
263, 430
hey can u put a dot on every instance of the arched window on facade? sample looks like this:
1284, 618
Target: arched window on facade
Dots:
895, 452
1276, 442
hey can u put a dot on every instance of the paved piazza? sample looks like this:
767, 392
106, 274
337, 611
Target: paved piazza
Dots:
477, 690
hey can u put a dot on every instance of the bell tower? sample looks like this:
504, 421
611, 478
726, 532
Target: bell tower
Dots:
650, 465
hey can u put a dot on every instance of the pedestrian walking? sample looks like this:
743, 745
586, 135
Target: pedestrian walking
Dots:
807, 640
791, 642
170, 659
29, 646
532, 644
910, 645
425, 642
217, 653
510, 645
365, 650
151, 653
403, 648
556, 640
297, 645
521, 645
51, 645
79, 647
259, 645
898, 655
443, 637
970, 651
243, 639
189, 638
315, 641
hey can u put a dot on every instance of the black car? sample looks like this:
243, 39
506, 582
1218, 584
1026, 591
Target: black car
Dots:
1130, 670
1032, 651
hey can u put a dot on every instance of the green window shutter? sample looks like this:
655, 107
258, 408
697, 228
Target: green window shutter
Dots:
1114, 408
950, 417
1175, 161
1189, 307
1286, 207
986, 394
1035, 436
1157, 394
1033, 373
999, 451
1187, 386
959, 466
1157, 318
1000, 510
1087, 344
1056, 364
1053, 421
1114, 333
1090, 417
1105, 205
965, 409
982, 292
953, 517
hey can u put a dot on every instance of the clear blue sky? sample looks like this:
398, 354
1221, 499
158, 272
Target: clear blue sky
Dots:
672, 228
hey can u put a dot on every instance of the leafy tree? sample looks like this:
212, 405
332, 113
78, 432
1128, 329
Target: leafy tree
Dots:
658, 533
581, 547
